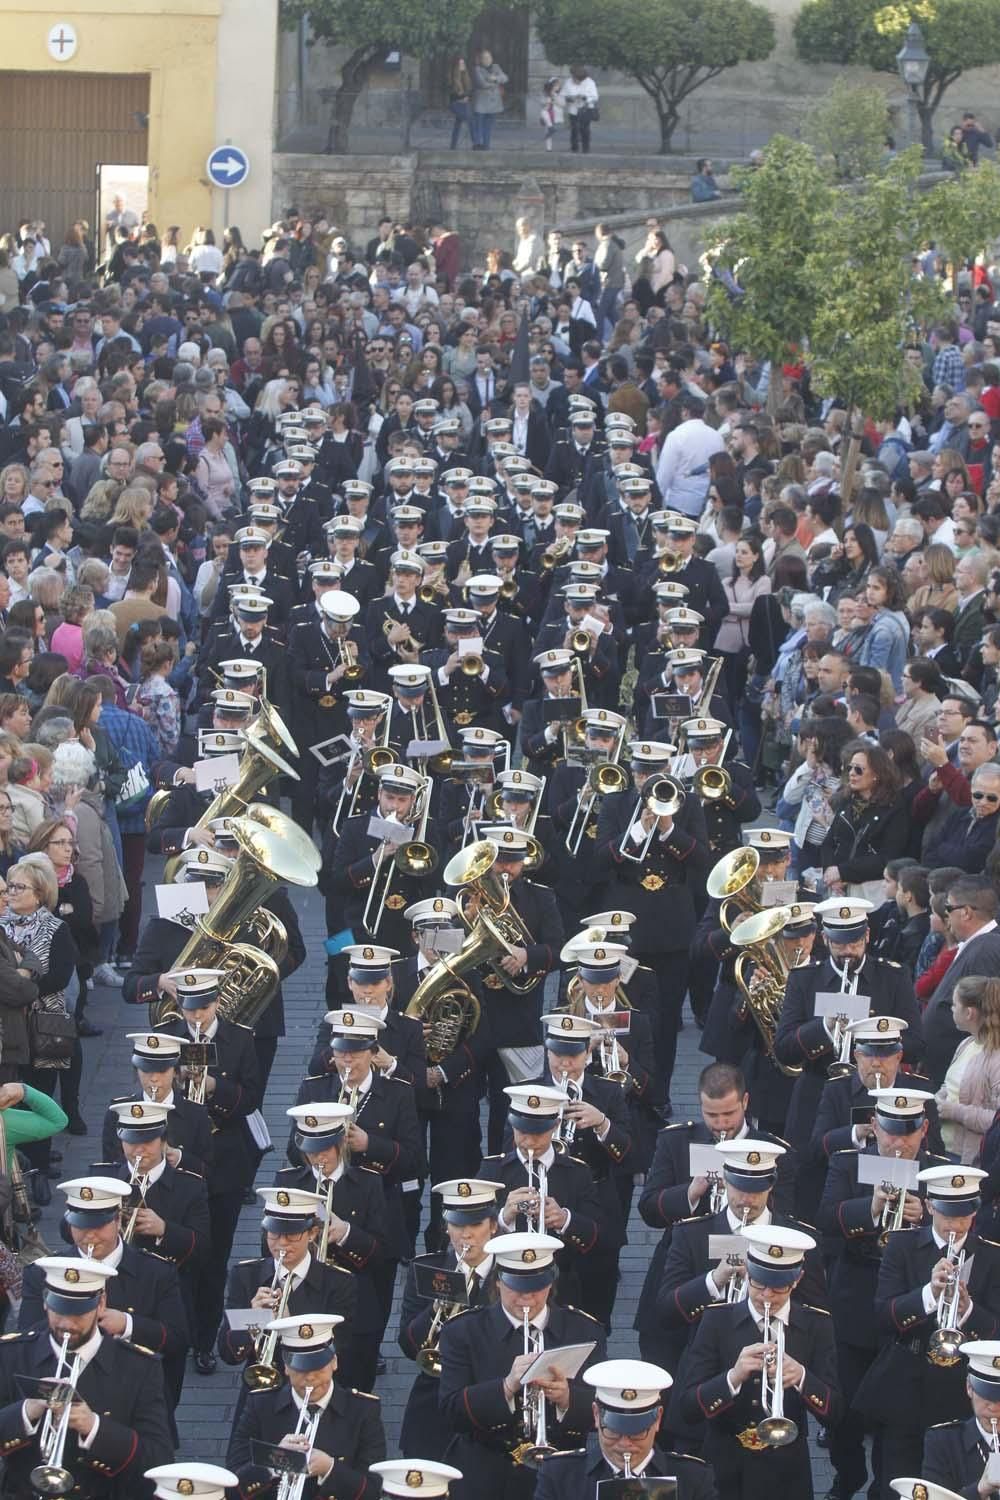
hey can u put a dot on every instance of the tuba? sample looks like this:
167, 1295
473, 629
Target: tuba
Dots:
764, 991
265, 860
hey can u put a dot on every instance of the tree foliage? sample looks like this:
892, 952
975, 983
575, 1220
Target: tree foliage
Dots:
670, 47
962, 215
958, 35
766, 249
371, 28
848, 127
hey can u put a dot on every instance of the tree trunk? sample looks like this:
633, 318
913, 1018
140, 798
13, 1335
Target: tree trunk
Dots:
849, 467
353, 76
668, 124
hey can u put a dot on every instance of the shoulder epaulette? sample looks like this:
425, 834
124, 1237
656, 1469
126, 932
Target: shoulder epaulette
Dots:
678, 1125
314, 1077
498, 1157
253, 1261
122, 1098
811, 1307
690, 1219
242, 1027
993, 1244
331, 1265
564, 1453
21, 1333
780, 1141
367, 1395
692, 1458
138, 1348
846, 1151
891, 962
406, 1082
198, 1176
371, 1170
955, 1422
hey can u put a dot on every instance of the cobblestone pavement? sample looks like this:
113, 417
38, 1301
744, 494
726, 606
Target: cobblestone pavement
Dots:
206, 1410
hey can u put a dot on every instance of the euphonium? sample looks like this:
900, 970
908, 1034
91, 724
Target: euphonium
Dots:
732, 881
265, 861
711, 783
484, 898
764, 989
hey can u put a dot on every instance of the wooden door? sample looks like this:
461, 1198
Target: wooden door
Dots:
54, 130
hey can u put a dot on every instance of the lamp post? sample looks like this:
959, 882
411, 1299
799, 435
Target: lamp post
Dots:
912, 62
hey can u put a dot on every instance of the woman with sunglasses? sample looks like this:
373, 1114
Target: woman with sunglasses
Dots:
967, 836
869, 825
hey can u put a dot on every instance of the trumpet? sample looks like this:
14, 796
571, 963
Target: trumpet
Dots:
664, 796
944, 1348
892, 1211
842, 1037
428, 1358
348, 654
535, 1448
292, 1486
197, 1080
776, 1430
538, 1182
566, 1131
668, 561
554, 553
736, 1285
138, 1181
263, 1374
610, 1057
51, 1477
994, 1444
409, 644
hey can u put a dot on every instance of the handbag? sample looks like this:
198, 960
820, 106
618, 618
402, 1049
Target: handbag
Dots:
51, 1035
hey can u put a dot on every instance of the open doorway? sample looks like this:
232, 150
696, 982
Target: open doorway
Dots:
122, 196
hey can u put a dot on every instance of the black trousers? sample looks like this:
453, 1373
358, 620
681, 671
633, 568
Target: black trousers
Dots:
210, 1287
847, 1439
265, 1048
671, 970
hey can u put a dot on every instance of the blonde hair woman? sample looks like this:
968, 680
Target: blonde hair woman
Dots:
970, 1095
134, 508
939, 592
102, 497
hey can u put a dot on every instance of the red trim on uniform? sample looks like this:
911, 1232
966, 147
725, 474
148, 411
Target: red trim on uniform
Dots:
188, 1251
113, 1474
688, 1317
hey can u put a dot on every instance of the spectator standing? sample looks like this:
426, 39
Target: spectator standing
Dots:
460, 101
610, 266
704, 188
970, 1094
582, 103
487, 98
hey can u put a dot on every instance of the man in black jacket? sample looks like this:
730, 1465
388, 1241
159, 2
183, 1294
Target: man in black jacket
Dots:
118, 1424
956, 1453
628, 1411
157, 1061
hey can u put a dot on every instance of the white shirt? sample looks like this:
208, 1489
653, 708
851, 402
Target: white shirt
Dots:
990, 927
84, 1354
688, 448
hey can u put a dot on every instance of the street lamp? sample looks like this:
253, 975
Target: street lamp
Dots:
912, 62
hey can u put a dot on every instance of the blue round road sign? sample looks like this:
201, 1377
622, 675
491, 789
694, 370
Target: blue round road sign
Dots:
228, 167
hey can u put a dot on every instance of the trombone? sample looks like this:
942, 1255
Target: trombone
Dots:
428, 1357
944, 1348
776, 1430
51, 1477
608, 776
138, 1181
665, 796
263, 1374
440, 764
535, 855
372, 758
292, 1486
416, 858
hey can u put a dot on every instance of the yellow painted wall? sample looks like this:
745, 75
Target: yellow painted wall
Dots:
176, 44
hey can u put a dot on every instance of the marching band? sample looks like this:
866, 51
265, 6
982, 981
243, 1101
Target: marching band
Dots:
523, 882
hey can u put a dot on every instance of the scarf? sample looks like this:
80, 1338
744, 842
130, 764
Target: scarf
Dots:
65, 876
23, 931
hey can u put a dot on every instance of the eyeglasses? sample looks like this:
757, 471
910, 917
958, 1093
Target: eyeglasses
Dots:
986, 797
12, 887
856, 770
949, 909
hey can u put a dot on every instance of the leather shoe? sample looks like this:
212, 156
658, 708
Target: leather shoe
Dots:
87, 1028
76, 1126
205, 1362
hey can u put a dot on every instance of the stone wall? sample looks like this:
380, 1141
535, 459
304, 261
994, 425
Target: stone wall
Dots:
480, 199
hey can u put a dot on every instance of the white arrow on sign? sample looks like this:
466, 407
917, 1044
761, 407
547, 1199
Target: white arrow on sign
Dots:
229, 166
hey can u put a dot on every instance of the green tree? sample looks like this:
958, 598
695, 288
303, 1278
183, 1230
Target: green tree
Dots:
848, 126
371, 28
962, 215
670, 47
868, 300
765, 248
959, 35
